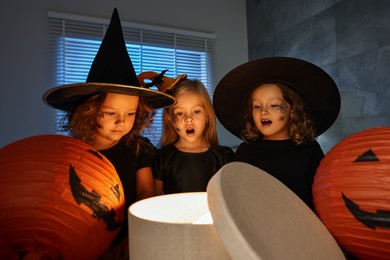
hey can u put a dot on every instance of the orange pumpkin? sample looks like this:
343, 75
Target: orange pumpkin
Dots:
60, 199
351, 193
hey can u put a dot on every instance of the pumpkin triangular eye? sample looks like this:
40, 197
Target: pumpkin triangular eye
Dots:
368, 156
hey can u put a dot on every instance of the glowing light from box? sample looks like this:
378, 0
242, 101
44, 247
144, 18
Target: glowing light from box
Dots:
181, 208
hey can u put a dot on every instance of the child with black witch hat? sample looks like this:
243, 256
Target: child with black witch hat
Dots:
278, 106
109, 111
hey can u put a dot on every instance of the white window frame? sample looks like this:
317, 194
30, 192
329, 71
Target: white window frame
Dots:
178, 51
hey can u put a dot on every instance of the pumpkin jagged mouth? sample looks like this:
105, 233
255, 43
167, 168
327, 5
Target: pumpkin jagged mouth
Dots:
371, 220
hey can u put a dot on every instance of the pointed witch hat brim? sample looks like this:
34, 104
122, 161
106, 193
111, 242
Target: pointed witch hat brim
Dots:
314, 85
111, 71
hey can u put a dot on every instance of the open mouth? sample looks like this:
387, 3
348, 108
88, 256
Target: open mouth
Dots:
190, 131
266, 122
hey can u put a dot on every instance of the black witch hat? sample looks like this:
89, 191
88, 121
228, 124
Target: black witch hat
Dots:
111, 71
313, 84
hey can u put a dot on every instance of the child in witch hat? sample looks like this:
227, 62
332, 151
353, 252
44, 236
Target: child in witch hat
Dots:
109, 111
278, 106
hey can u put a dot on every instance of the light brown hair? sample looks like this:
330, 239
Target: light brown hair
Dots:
301, 126
82, 123
169, 134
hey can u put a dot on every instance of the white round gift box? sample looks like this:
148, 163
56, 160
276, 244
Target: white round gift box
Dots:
245, 214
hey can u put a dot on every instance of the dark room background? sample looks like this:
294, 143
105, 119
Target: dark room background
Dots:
349, 39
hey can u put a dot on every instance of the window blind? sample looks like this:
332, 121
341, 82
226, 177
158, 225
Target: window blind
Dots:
75, 40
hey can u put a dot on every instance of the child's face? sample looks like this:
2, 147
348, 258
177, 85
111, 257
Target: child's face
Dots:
118, 117
270, 112
189, 117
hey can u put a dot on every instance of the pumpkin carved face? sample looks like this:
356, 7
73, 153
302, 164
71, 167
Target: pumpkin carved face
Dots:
60, 199
351, 193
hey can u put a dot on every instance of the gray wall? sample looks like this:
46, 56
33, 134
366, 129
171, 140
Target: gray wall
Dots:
24, 48
350, 39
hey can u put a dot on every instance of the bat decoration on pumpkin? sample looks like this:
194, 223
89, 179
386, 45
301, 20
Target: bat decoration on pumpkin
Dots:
92, 201
371, 220
115, 189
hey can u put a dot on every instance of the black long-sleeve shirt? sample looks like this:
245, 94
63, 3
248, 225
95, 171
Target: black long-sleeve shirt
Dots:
293, 164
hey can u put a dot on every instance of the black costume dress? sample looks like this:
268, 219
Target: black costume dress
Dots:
293, 164
127, 163
189, 172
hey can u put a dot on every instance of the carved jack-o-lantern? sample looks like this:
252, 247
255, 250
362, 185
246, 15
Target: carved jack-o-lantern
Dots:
352, 193
59, 199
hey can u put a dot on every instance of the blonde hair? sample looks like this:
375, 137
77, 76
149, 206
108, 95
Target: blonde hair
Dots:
82, 122
169, 134
301, 126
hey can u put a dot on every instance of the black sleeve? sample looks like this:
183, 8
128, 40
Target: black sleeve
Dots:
157, 166
241, 154
227, 154
146, 154
317, 156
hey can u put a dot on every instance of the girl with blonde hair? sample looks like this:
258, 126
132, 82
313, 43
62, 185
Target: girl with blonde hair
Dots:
190, 153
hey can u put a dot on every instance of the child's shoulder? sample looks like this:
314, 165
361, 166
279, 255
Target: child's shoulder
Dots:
310, 143
225, 150
144, 139
141, 144
167, 149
